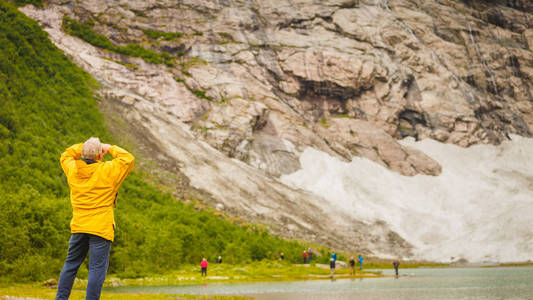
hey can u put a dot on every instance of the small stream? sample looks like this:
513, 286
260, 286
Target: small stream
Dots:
413, 284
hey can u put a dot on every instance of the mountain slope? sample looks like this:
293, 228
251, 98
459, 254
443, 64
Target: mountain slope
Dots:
250, 86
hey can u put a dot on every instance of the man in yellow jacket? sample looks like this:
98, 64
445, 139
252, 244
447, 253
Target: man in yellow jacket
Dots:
93, 191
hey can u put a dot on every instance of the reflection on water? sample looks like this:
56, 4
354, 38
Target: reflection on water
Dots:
416, 284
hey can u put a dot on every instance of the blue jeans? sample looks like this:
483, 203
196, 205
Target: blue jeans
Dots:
79, 245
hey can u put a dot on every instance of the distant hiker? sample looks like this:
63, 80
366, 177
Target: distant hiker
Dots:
310, 254
304, 256
203, 264
360, 262
396, 264
219, 259
282, 256
331, 266
93, 193
334, 255
352, 266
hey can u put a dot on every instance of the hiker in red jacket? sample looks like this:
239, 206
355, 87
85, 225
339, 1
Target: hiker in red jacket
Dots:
304, 255
203, 264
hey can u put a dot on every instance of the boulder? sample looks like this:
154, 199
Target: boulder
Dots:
51, 283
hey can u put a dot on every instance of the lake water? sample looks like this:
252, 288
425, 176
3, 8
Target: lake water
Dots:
414, 284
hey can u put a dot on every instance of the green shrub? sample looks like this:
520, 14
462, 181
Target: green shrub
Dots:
167, 36
201, 94
86, 33
38, 3
198, 93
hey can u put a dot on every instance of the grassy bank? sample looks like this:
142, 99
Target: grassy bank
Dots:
38, 291
190, 274
376, 263
257, 271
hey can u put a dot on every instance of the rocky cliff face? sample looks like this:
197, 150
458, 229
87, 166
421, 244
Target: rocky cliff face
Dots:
255, 83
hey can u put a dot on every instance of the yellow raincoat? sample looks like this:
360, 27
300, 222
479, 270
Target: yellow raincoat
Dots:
93, 189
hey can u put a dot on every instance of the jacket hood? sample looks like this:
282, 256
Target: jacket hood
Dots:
84, 170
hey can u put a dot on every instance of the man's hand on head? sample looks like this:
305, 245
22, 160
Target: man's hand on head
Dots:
105, 149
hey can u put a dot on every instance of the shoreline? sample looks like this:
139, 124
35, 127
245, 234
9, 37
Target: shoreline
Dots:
188, 276
238, 274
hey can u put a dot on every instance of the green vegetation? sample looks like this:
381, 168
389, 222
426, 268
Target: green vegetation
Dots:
192, 61
515, 264
138, 13
199, 93
38, 3
167, 36
86, 33
41, 292
226, 36
373, 263
46, 105
324, 122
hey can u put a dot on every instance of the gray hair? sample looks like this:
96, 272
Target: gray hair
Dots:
92, 148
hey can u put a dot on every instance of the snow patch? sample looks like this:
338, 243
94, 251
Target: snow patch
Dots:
479, 208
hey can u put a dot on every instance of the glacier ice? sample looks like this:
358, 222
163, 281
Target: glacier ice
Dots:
479, 208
